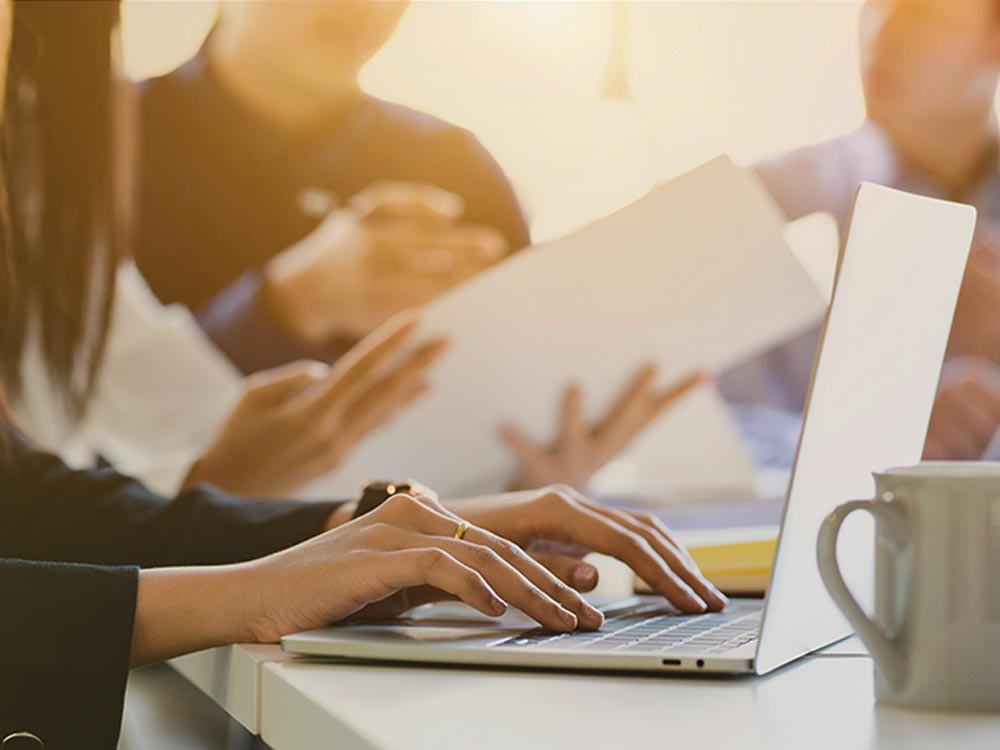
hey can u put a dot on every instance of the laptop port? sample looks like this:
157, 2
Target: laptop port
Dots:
671, 662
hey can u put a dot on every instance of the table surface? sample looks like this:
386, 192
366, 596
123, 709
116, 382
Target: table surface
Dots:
817, 703
822, 701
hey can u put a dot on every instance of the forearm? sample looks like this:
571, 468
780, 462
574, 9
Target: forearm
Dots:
180, 610
311, 289
245, 325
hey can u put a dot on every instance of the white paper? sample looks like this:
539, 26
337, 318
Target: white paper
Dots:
694, 276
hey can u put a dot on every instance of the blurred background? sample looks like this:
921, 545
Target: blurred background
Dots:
587, 104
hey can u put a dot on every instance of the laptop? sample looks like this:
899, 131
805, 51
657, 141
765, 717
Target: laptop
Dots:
869, 405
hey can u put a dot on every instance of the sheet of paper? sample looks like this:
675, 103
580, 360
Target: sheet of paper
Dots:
694, 276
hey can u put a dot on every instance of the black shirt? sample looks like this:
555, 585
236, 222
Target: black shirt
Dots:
71, 545
221, 189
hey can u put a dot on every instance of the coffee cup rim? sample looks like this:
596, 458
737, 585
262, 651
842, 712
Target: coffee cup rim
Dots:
958, 470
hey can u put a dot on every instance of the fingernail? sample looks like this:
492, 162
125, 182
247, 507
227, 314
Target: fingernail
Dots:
497, 606
591, 617
713, 592
568, 618
585, 578
697, 602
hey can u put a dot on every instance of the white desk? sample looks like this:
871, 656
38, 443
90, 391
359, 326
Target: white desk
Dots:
820, 703
824, 701
231, 676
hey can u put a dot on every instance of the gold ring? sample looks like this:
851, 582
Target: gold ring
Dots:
463, 526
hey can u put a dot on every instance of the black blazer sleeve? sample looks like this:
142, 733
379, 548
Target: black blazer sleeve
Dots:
49, 512
71, 545
65, 635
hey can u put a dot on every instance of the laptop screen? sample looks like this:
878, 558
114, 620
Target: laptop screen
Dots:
870, 402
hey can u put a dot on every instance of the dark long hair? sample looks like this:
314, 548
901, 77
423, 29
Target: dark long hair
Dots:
63, 234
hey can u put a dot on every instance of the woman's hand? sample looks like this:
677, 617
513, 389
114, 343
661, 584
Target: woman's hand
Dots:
296, 423
404, 553
401, 555
580, 449
558, 526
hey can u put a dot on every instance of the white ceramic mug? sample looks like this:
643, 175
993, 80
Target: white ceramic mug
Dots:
935, 634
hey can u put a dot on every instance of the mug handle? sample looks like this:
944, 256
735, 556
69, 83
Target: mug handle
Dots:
886, 651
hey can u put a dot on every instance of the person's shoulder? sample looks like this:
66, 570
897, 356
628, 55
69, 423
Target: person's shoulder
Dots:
866, 144
453, 157
411, 125
171, 90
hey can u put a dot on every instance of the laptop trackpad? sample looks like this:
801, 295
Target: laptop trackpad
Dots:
443, 622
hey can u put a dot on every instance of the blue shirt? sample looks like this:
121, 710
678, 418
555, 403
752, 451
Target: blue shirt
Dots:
221, 191
824, 177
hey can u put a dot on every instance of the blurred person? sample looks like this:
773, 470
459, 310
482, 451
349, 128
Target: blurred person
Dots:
290, 210
100, 572
930, 70
294, 213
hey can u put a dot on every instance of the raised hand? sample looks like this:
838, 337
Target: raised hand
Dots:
580, 448
299, 422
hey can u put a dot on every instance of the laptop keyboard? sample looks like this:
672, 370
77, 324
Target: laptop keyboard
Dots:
654, 628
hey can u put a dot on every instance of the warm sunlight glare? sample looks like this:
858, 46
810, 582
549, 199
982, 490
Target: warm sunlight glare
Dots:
587, 104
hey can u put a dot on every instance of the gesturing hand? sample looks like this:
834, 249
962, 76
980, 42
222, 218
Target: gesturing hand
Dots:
580, 449
296, 423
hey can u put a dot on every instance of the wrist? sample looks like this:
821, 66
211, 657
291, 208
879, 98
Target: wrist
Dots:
281, 302
197, 474
307, 289
180, 610
209, 470
340, 515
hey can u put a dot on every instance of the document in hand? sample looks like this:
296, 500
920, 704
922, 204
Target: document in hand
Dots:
694, 277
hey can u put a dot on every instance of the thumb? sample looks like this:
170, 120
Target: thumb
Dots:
282, 383
408, 200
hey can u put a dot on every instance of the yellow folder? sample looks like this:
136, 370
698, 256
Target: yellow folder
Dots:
736, 567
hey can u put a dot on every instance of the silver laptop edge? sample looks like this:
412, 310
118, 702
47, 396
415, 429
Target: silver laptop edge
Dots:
873, 383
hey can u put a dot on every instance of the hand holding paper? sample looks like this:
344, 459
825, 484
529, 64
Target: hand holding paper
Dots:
694, 277
581, 448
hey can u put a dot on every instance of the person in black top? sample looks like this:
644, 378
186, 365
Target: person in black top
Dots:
248, 150
70, 547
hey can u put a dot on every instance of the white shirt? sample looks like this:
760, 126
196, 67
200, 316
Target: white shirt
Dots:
163, 392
